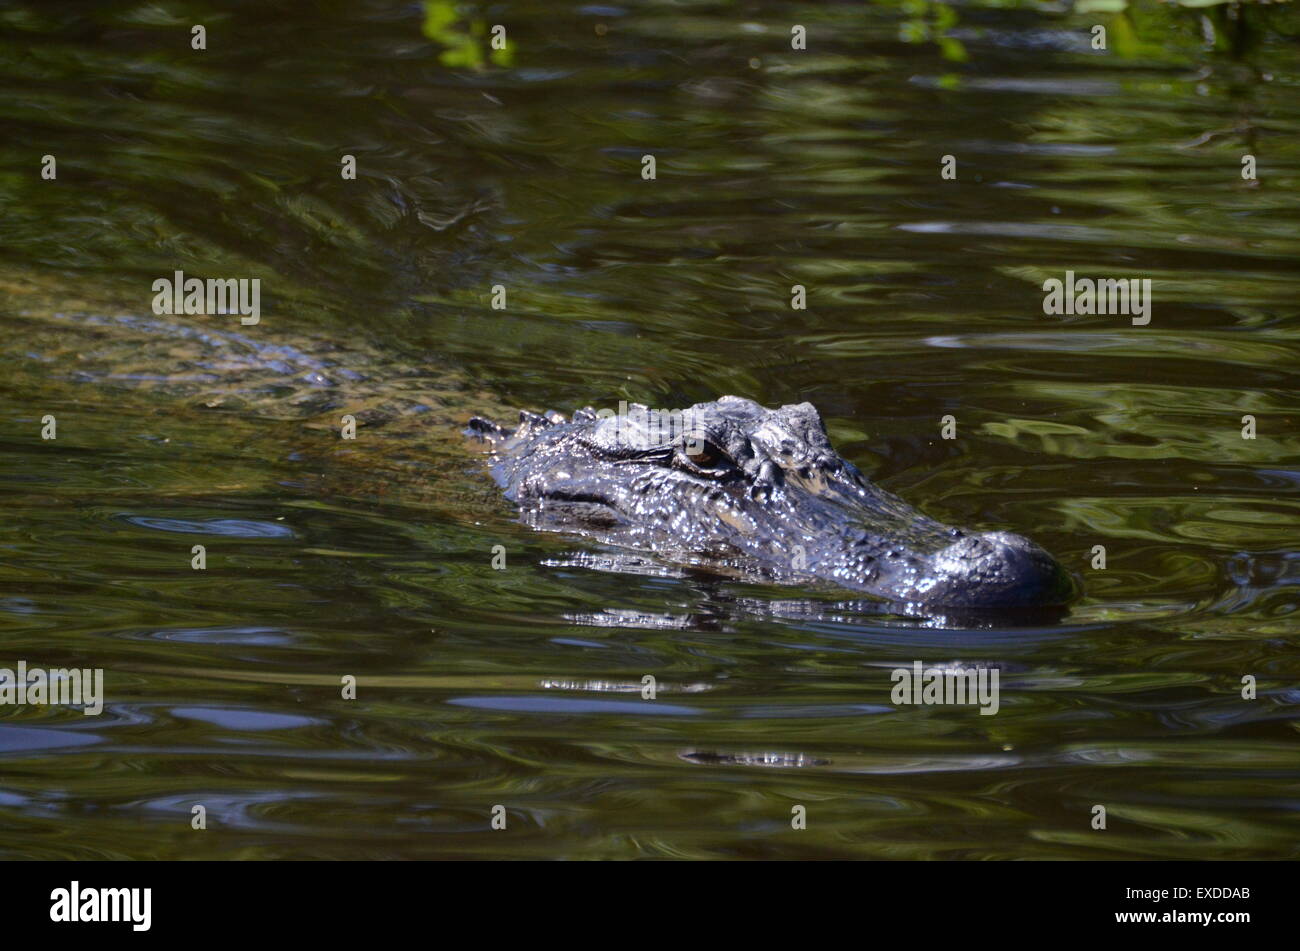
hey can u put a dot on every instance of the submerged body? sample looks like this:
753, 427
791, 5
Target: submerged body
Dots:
732, 484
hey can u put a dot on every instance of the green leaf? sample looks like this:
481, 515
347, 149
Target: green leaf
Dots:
1101, 6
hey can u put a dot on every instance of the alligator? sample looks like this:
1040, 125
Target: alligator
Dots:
730, 488
730, 484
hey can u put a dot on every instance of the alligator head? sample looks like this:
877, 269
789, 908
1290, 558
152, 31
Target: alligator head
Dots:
734, 485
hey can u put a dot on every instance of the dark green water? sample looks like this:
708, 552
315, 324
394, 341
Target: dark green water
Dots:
520, 687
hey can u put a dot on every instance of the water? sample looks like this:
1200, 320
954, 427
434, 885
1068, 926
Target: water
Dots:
522, 687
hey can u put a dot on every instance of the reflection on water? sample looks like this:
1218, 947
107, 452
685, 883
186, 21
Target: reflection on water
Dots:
527, 686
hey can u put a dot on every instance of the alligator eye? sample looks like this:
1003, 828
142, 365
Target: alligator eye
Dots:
706, 455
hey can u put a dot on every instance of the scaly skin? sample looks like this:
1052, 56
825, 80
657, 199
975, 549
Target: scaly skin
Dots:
733, 485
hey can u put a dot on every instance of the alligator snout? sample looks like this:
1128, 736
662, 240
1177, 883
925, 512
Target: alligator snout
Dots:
994, 570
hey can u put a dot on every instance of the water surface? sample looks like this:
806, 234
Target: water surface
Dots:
522, 168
